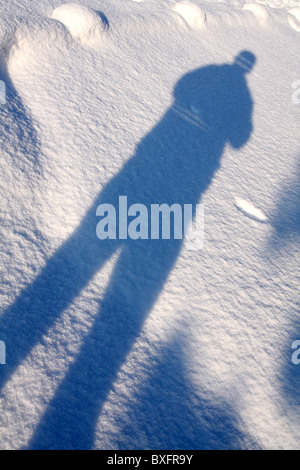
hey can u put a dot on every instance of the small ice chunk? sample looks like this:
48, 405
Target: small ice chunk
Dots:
249, 210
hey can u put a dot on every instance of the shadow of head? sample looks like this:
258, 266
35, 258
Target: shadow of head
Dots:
245, 60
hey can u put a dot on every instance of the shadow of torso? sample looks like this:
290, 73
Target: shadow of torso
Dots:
177, 160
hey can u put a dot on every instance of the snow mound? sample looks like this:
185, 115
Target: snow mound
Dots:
191, 13
260, 12
83, 23
41, 32
249, 210
294, 18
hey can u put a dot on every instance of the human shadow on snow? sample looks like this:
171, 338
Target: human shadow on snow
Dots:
174, 163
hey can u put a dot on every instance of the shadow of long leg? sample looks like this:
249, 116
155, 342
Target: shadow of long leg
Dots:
70, 420
32, 314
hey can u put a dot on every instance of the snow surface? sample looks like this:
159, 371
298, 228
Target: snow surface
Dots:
144, 345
